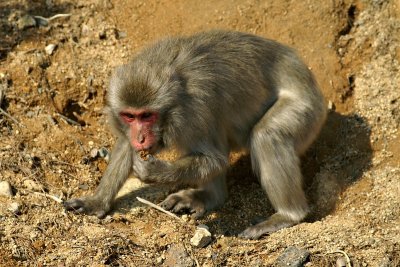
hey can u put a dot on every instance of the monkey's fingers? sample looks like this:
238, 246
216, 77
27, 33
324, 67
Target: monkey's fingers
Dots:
184, 201
83, 206
272, 224
74, 204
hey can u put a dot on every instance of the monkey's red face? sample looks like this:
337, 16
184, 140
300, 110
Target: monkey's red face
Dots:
141, 125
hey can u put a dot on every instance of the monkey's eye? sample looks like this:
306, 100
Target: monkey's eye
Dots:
128, 117
146, 115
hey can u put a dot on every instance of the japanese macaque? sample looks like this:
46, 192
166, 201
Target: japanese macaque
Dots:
207, 95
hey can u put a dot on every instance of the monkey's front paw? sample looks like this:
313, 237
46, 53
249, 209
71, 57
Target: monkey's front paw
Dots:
272, 224
87, 205
252, 232
196, 201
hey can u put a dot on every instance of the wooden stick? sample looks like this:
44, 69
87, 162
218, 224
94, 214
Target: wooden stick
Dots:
68, 120
158, 208
56, 199
11, 118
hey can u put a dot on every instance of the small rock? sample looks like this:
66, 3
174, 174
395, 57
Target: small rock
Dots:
5, 189
25, 22
159, 260
32, 185
94, 153
50, 48
85, 30
341, 262
185, 217
202, 237
292, 257
331, 106
30, 114
15, 208
176, 256
121, 35
103, 152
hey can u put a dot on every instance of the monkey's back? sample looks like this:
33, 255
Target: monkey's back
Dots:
220, 72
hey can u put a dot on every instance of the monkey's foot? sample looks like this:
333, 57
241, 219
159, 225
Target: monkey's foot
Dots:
196, 201
272, 224
87, 205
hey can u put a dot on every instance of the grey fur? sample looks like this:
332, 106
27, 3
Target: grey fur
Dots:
217, 92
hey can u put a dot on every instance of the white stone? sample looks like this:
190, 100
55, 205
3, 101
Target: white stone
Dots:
50, 48
202, 237
5, 189
15, 208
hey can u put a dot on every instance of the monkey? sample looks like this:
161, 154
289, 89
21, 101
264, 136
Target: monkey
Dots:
209, 94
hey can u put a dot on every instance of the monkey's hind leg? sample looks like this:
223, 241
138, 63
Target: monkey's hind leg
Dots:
277, 140
198, 201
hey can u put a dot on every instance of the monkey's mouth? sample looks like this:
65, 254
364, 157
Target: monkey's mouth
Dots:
149, 150
144, 154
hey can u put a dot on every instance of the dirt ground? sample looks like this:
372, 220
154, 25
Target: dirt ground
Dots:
53, 79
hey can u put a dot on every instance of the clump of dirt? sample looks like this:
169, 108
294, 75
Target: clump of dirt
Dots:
53, 81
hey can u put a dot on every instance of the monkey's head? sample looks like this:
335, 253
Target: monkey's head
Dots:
141, 101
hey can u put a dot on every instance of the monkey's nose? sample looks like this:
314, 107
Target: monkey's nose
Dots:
141, 139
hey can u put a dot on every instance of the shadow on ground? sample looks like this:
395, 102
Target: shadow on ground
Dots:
336, 159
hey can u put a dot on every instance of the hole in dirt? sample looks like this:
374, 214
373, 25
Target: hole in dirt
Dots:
348, 92
351, 13
72, 110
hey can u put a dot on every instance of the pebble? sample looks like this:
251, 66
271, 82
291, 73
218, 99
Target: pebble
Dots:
292, 257
15, 208
5, 189
121, 35
176, 256
341, 262
185, 217
94, 153
103, 152
50, 48
331, 106
202, 237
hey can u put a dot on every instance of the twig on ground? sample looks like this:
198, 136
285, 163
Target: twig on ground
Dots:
44, 21
68, 120
158, 208
56, 199
11, 118
348, 262
64, 163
